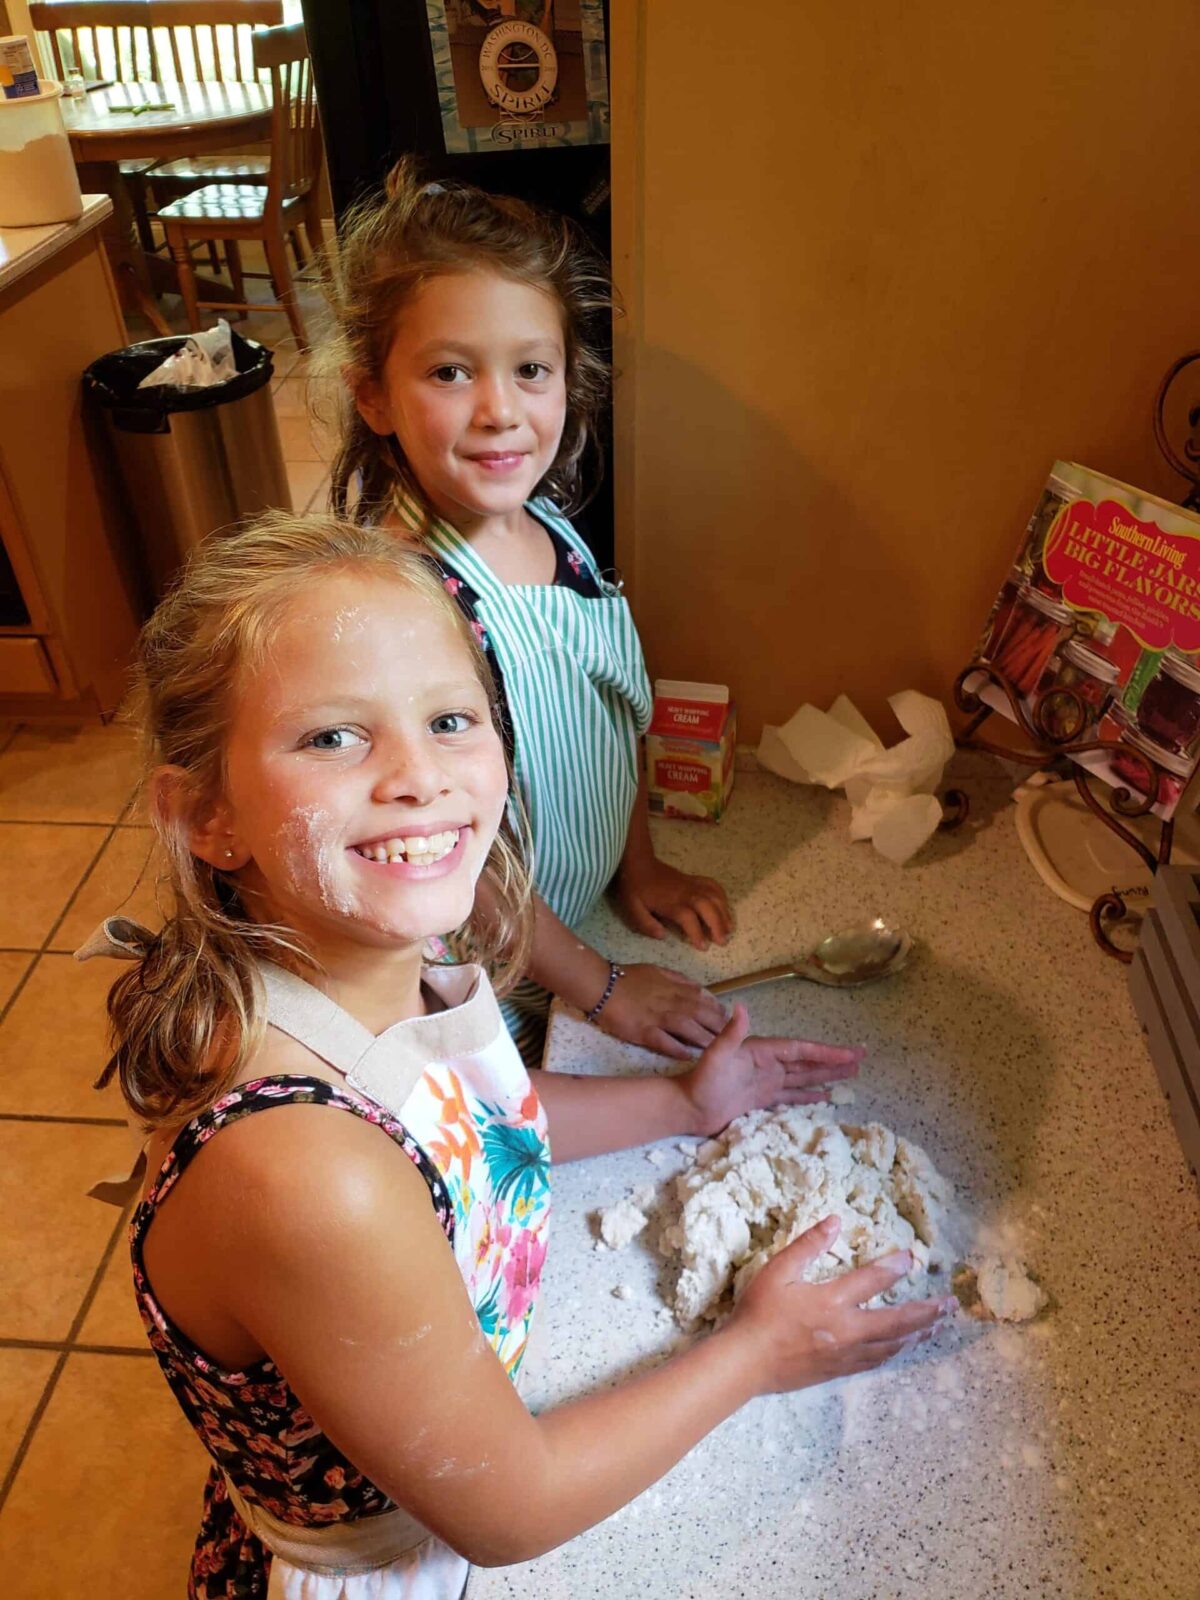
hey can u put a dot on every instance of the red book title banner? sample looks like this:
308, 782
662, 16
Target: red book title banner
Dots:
1108, 560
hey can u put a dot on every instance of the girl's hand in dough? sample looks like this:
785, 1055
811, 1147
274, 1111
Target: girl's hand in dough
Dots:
662, 1010
808, 1333
737, 1074
650, 893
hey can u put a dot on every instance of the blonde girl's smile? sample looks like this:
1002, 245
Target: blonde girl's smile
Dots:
415, 852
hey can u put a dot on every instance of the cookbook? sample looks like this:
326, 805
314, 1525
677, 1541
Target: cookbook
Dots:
1097, 630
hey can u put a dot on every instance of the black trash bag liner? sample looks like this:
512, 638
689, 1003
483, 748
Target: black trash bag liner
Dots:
112, 382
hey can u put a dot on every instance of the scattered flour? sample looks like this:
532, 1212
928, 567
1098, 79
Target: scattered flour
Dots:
623, 1291
655, 1156
772, 1175
998, 1289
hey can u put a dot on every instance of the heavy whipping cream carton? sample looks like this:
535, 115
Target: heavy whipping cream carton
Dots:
689, 750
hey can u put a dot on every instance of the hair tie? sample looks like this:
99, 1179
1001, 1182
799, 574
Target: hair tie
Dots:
119, 937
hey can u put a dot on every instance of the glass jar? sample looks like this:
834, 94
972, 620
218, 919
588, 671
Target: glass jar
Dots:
1091, 678
1144, 669
1173, 770
1099, 630
1056, 496
1040, 523
1169, 710
1036, 627
994, 629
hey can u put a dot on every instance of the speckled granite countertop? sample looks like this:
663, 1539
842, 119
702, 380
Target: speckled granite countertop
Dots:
1062, 1459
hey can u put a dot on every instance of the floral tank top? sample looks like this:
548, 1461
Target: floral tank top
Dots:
450, 1090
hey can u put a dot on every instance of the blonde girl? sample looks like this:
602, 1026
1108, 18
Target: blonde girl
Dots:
339, 1245
468, 333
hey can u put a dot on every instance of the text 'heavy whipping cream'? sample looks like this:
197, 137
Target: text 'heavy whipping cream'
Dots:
689, 750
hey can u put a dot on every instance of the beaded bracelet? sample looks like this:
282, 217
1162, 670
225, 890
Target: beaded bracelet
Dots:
614, 972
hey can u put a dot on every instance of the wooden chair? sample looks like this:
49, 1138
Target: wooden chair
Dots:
167, 41
103, 40
211, 41
100, 38
288, 200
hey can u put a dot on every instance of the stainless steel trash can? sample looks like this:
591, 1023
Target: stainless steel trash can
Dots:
192, 461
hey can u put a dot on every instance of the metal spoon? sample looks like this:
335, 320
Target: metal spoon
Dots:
844, 960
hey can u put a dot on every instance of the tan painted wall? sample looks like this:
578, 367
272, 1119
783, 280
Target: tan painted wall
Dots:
882, 264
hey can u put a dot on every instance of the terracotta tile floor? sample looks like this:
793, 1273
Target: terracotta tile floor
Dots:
85, 1418
100, 1476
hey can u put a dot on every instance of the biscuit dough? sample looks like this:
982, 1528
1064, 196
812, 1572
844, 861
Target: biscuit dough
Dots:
998, 1289
771, 1176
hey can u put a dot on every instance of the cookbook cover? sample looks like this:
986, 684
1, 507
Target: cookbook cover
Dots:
1103, 601
520, 74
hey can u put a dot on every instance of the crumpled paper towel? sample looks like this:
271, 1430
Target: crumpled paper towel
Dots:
206, 358
891, 792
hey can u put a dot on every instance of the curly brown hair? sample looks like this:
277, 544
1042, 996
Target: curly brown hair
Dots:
387, 249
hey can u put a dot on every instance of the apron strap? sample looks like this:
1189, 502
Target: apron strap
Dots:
386, 1067
310, 1017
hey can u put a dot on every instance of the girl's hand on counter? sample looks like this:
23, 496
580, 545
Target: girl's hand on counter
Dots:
650, 894
737, 1074
662, 1010
808, 1333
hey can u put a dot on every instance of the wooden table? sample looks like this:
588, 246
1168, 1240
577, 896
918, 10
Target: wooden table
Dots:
204, 117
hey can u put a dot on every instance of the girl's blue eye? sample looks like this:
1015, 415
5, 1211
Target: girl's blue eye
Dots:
333, 739
452, 722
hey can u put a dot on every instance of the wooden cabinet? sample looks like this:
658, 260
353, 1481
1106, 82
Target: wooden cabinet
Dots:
69, 611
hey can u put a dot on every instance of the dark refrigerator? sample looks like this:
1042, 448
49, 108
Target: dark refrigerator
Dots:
510, 95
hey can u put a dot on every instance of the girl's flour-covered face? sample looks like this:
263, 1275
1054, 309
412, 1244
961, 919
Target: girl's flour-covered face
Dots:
474, 388
365, 780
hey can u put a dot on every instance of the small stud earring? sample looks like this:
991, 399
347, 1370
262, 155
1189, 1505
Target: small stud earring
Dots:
229, 855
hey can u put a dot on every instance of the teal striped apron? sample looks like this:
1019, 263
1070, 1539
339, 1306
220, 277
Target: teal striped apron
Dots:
578, 700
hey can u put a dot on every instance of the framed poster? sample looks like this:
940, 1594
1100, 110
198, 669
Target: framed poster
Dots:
520, 74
